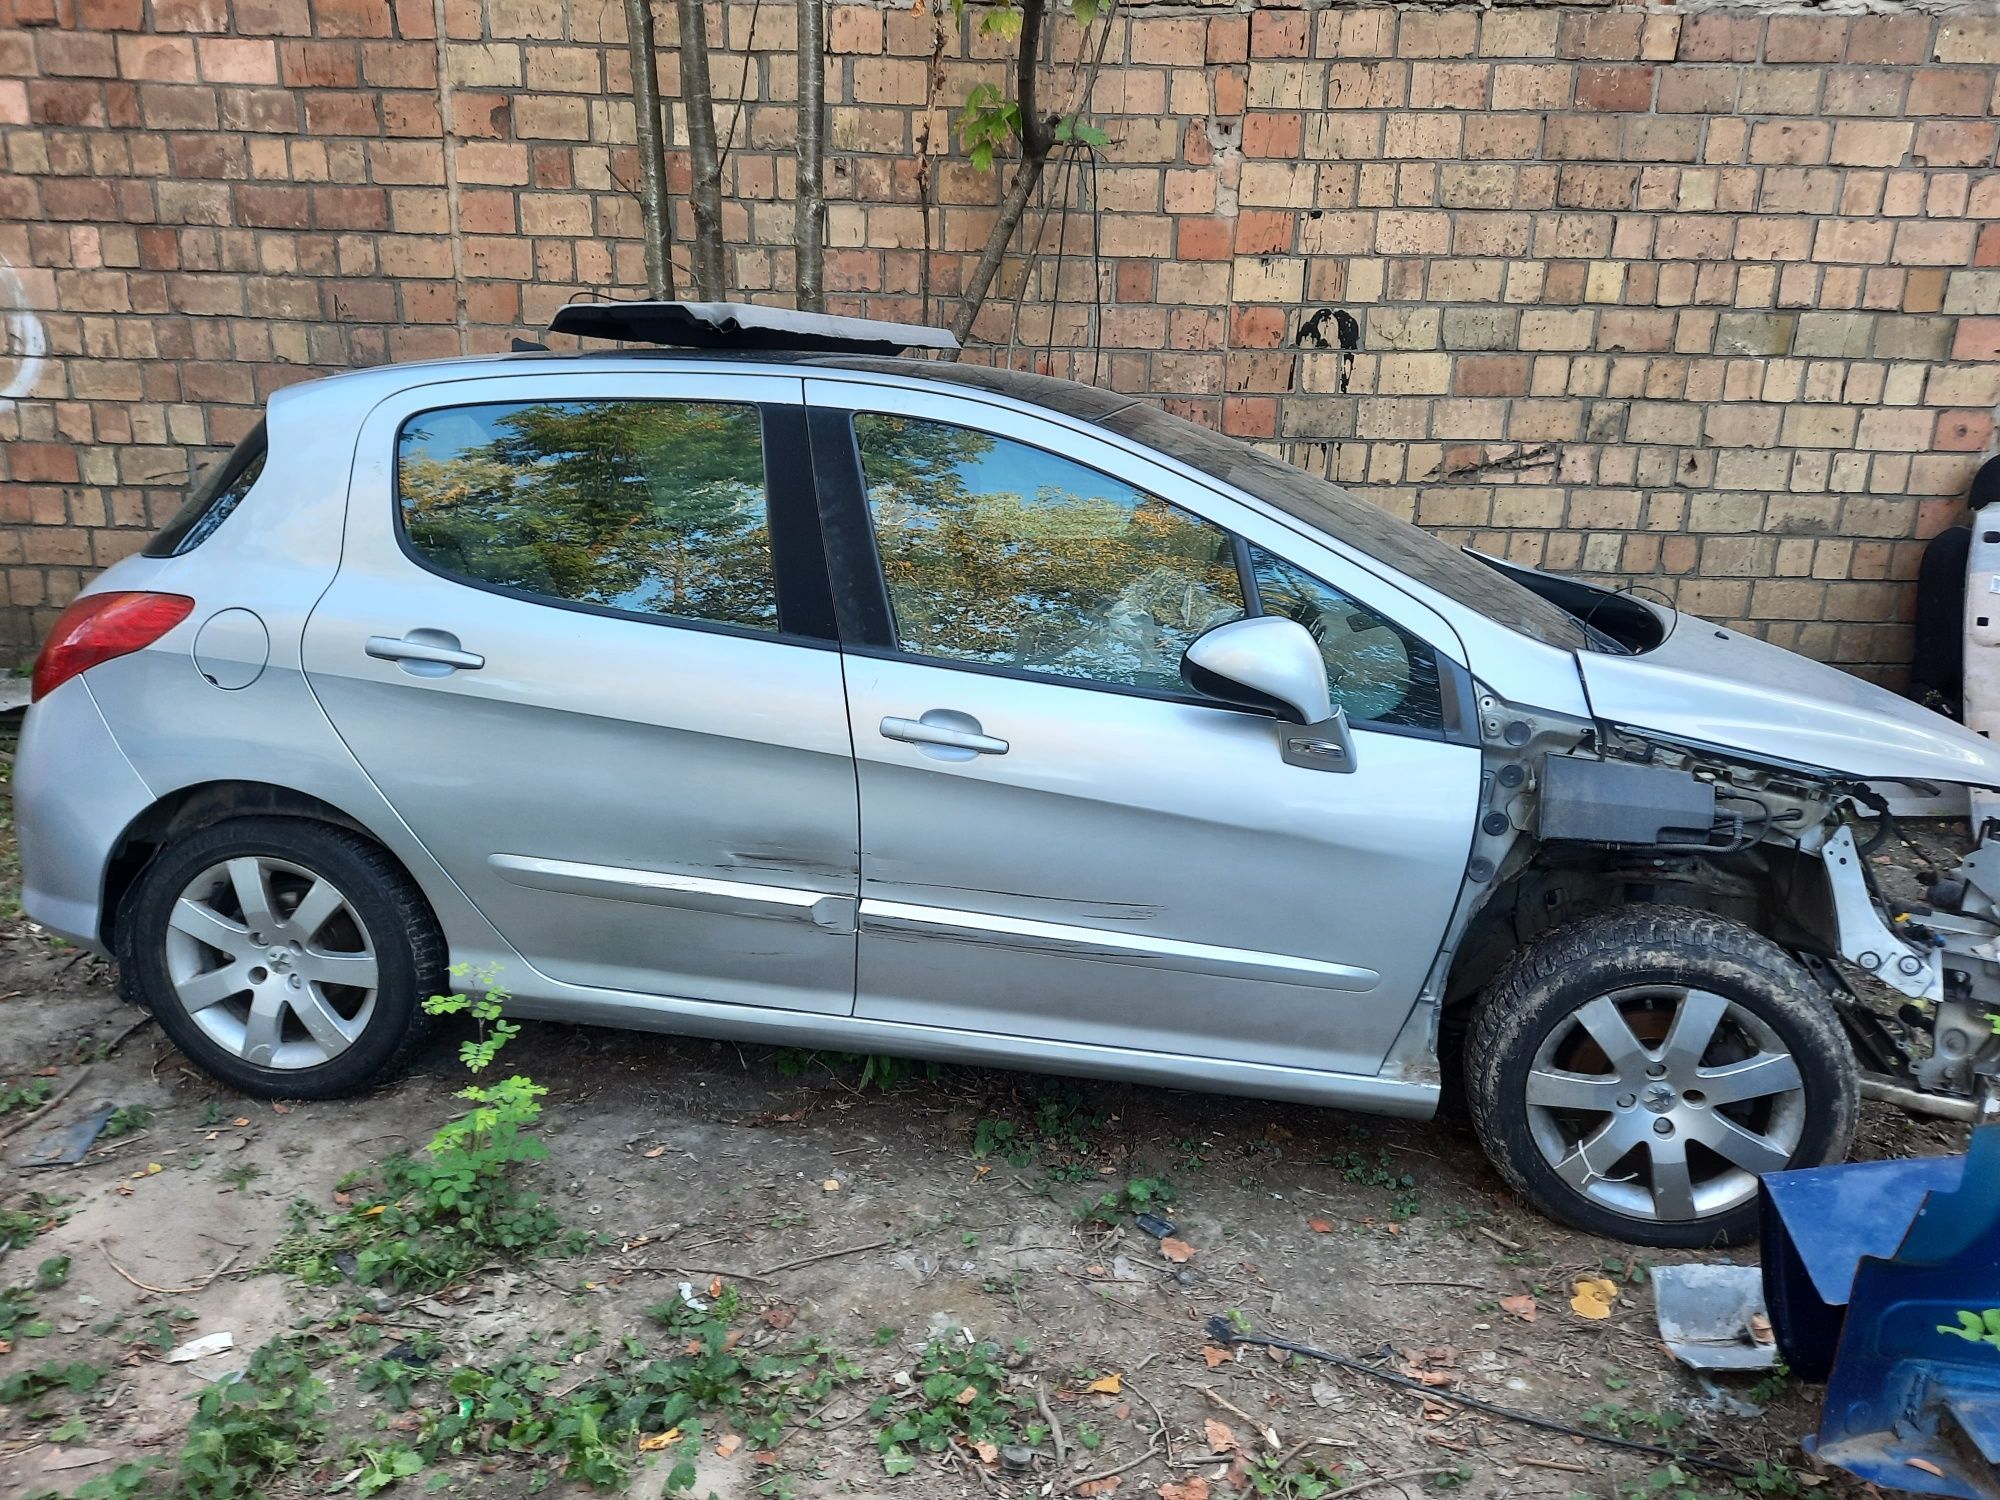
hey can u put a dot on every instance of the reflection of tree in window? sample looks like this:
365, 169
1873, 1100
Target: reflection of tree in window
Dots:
1001, 553
1377, 672
650, 506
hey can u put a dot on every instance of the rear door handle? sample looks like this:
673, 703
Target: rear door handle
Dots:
944, 733
425, 653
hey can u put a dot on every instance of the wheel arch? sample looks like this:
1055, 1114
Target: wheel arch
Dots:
201, 805
1779, 891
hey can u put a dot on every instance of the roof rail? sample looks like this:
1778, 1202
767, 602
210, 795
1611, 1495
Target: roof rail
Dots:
740, 325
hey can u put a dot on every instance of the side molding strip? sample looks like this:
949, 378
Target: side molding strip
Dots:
1062, 940
738, 898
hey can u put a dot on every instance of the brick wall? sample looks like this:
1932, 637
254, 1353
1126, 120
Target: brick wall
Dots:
1709, 302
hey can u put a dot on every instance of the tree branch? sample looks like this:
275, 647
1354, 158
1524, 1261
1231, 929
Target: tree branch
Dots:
810, 196
706, 191
654, 209
1038, 136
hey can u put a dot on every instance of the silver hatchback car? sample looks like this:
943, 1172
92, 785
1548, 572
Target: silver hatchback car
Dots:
780, 690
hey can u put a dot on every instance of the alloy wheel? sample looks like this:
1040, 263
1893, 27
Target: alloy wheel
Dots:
272, 962
1665, 1102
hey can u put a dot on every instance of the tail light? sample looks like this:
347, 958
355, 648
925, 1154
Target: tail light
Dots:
99, 627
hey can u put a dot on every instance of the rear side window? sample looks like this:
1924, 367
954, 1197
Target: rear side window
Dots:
214, 499
645, 507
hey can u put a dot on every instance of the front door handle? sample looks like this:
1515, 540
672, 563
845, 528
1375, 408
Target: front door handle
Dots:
425, 653
945, 734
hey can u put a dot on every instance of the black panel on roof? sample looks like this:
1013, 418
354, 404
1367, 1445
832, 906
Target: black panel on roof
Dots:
742, 326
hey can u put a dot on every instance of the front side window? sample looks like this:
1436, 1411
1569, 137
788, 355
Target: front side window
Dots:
649, 507
1006, 555
1377, 671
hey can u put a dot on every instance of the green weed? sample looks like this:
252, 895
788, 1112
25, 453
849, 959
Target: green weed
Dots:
29, 1095
962, 1392
1139, 1195
127, 1119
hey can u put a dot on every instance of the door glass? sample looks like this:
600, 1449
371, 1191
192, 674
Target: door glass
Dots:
1005, 554
655, 507
1378, 672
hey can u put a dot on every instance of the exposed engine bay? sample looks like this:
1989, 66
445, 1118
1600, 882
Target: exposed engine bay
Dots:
1578, 817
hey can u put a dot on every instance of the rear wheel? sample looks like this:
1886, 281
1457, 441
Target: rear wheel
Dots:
288, 958
1636, 1073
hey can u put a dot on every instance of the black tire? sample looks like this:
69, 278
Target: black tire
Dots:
1638, 957
397, 922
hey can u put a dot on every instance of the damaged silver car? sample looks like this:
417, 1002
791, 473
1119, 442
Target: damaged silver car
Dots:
768, 687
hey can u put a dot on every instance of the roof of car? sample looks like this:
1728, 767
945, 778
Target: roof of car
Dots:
1086, 403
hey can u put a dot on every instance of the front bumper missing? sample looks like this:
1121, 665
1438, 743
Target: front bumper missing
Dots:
1868, 941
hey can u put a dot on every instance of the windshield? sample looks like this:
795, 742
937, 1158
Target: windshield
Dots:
1328, 508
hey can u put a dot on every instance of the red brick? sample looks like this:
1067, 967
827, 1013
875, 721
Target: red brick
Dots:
1615, 90
1134, 282
1977, 338
1228, 39
1950, 91
1256, 327
1955, 143
1278, 33
352, 17
1879, 40
46, 463
65, 103
1491, 375
1272, 135
342, 114
68, 54
350, 208
1203, 239
1964, 431
1718, 37
111, 15
1264, 232
319, 65
1250, 416
1804, 39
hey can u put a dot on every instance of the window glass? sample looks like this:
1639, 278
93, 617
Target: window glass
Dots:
1453, 572
1378, 672
1001, 553
214, 499
651, 506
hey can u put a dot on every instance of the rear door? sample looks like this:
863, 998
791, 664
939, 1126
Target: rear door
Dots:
581, 638
1060, 840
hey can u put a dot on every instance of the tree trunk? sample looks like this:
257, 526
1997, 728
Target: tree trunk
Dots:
706, 192
810, 198
655, 213
1038, 136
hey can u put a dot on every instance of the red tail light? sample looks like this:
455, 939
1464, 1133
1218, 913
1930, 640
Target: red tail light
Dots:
99, 627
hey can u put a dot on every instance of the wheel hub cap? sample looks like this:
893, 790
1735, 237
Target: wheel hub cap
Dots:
272, 961
1665, 1102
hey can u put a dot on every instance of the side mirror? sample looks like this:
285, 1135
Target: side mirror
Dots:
1273, 664
1267, 663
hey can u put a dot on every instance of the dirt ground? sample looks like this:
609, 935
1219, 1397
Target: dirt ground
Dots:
863, 1216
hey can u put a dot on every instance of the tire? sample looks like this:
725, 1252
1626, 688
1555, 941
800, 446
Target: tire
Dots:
282, 1013
1586, 1120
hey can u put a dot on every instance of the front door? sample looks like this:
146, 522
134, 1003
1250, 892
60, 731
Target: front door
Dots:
581, 639
1059, 839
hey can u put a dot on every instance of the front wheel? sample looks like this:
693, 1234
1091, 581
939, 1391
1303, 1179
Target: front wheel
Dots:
1634, 1075
288, 958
